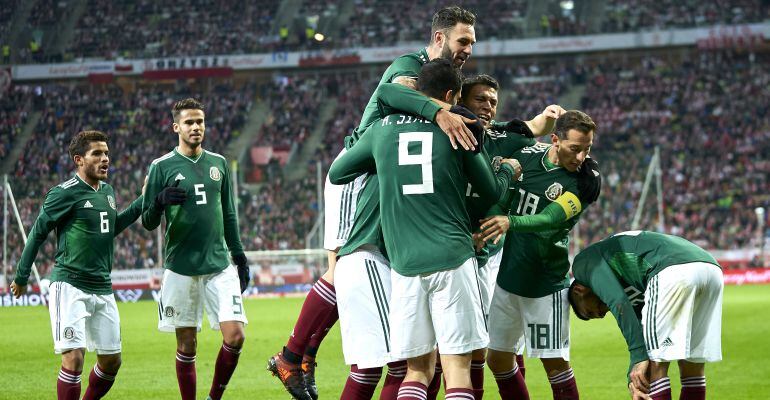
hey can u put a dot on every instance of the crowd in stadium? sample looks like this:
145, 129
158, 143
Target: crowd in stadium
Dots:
143, 28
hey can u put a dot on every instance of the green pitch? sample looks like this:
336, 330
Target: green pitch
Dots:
29, 367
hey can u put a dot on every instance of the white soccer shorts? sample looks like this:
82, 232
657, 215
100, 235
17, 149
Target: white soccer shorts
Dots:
182, 299
82, 320
543, 322
488, 280
340, 210
682, 313
441, 308
362, 282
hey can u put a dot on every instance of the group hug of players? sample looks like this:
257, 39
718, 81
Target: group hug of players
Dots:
442, 257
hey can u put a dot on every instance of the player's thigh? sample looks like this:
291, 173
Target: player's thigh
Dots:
68, 309
103, 327
545, 322
180, 302
506, 324
222, 297
456, 309
363, 302
411, 326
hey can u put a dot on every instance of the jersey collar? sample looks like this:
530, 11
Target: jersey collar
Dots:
89, 186
548, 166
194, 161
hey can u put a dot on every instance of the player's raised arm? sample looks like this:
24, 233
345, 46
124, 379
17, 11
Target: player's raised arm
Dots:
56, 206
129, 215
357, 160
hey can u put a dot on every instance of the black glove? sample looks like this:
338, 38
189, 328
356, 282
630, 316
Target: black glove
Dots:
171, 196
244, 275
589, 181
476, 128
518, 127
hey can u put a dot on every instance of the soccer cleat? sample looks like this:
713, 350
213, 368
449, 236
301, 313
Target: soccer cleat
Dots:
290, 375
308, 369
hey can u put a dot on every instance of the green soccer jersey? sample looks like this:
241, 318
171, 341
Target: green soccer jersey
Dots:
498, 144
422, 183
535, 264
618, 269
86, 222
408, 65
200, 231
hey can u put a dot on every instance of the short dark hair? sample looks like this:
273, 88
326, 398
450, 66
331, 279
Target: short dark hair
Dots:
186, 104
81, 142
447, 17
438, 76
482, 79
574, 119
572, 301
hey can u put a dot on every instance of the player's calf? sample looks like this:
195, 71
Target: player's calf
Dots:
102, 376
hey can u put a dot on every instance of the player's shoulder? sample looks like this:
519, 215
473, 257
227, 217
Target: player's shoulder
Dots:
420, 56
215, 155
63, 190
163, 158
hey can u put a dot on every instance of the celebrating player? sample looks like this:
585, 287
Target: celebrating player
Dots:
530, 295
502, 139
191, 187
435, 293
452, 38
666, 295
83, 211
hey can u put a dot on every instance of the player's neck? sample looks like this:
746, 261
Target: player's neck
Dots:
189, 151
553, 156
91, 182
433, 52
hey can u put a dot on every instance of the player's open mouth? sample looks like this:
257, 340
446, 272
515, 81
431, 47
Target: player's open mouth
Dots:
104, 168
485, 117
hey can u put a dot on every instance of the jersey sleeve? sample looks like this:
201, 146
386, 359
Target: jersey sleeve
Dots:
150, 212
55, 209
518, 136
407, 66
489, 186
356, 161
229, 216
562, 209
129, 215
392, 97
592, 270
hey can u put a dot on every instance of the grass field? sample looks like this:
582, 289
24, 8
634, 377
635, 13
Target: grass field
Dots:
28, 368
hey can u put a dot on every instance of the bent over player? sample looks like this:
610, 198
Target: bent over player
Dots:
666, 295
83, 211
191, 187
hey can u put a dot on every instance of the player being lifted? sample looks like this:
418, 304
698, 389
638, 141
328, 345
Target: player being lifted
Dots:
435, 293
530, 296
502, 139
452, 38
191, 187
83, 211
666, 295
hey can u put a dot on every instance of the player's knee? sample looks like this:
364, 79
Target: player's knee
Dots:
236, 338
73, 360
688, 369
110, 364
499, 361
479, 354
554, 366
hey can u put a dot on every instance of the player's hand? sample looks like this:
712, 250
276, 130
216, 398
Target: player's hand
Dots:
494, 227
18, 290
553, 111
639, 377
514, 163
171, 196
637, 394
478, 242
244, 275
454, 127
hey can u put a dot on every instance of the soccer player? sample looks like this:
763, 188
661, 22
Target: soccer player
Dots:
530, 295
452, 38
502, 139
191, 187
435, 294
83, 211
666, 295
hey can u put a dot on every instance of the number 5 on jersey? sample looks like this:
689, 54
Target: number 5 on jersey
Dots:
424, 159
199, 191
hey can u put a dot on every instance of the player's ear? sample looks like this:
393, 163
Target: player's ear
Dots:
78, 160
450, 97
175, 126
438, 39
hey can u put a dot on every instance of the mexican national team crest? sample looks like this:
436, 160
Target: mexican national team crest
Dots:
69, 333
554, 191
111, 200
169, 312
215, 174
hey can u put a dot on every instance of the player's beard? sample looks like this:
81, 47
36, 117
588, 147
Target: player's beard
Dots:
446, 54
192, 143
94, 173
